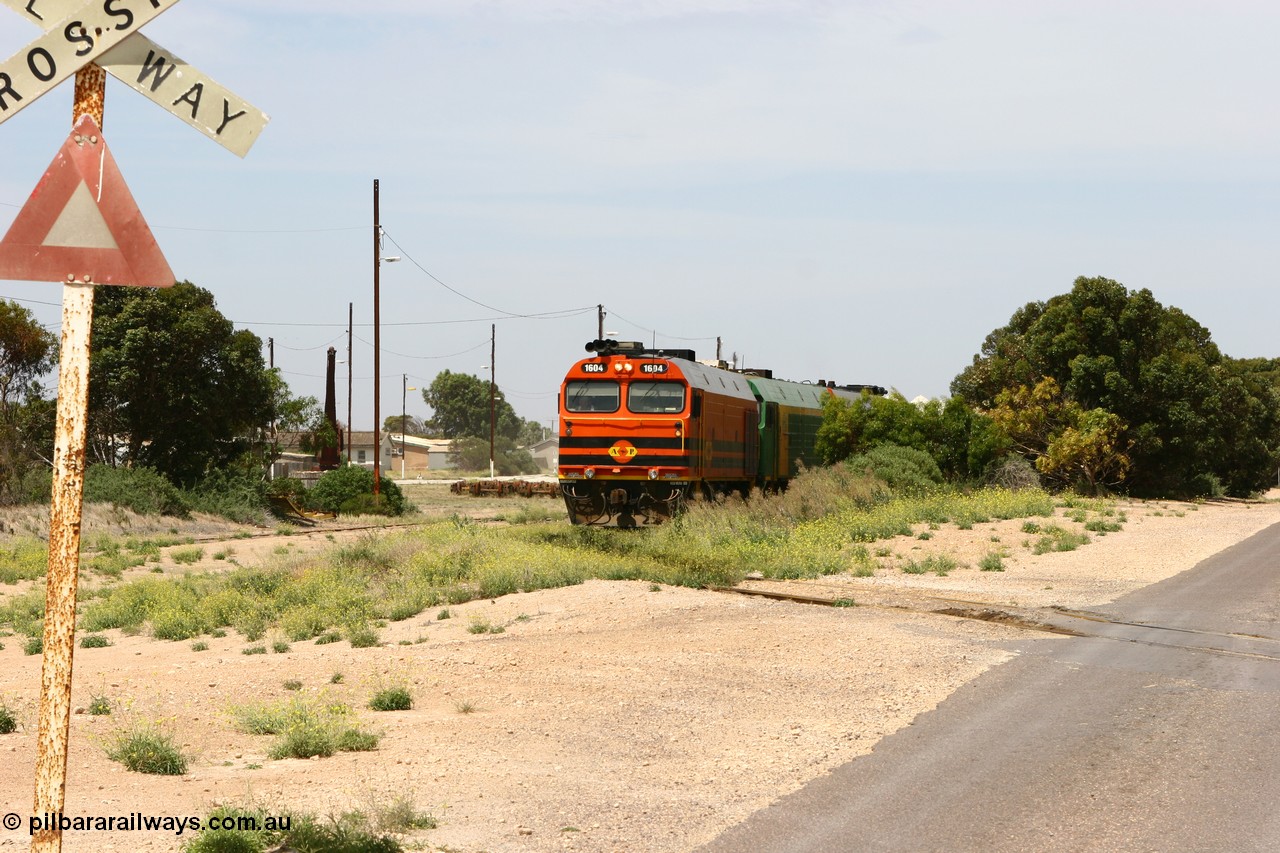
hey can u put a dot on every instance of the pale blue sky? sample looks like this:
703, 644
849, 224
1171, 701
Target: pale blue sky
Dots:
857, 191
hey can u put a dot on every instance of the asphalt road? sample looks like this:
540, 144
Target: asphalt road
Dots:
1157, 731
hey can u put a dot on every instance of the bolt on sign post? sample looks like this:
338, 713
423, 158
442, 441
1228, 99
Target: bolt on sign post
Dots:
81, 227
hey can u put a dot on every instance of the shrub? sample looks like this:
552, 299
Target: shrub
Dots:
906, 470
1013, 472
362, 637
8, 722
94, 641
992, 562
34, 646
99, 706
143, 490
349, 490
143, 749
238, 496
392, 699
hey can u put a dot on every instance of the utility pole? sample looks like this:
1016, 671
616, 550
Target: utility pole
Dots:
350, 316
377, 347
493, 351
405, 388
717, 349
600, 314
271, 363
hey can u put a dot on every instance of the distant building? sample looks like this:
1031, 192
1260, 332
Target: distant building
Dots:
546, 453
419, 457
293, 461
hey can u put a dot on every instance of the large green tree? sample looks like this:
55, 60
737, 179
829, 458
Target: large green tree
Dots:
173, 385
1189, 419
27, 352
461, 407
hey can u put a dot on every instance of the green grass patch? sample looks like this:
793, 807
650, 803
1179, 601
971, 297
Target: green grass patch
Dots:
350, 832
305, 727
939, 564
145, 749
1057, 538
23, 560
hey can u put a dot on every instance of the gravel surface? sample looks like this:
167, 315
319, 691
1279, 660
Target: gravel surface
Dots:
612, 716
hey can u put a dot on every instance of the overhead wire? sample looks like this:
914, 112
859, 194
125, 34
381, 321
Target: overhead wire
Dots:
549, 315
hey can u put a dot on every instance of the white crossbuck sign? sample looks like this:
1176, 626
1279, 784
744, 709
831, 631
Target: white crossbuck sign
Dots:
106, 32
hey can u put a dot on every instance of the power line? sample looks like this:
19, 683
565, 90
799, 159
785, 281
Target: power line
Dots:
569, 312
425, 357
656, 332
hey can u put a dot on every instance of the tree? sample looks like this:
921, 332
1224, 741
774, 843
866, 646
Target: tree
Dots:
173, 385
409, 425
1064, 441
460, 403
960, 440
1191, 421
27, 351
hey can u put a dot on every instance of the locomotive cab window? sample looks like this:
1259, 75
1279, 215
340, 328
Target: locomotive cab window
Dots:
591, 395
645, 398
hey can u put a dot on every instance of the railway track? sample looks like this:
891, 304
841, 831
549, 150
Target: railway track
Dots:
1061, 621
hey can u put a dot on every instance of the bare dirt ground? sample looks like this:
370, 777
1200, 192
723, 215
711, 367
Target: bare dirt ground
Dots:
606, 717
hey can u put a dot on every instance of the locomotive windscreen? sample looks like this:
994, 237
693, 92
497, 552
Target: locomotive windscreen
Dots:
655, 397
591, 395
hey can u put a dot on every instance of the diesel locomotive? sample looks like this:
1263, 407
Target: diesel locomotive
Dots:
643, 431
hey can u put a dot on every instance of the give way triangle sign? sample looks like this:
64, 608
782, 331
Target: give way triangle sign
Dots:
81, 223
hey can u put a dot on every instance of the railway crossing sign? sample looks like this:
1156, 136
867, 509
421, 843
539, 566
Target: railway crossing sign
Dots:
105, 32
81, 223
81, 227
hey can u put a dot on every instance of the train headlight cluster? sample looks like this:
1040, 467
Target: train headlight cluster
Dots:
653, 473
623, 367
591, 472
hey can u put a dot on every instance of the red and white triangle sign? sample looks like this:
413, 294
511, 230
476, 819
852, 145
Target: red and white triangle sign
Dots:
81, 223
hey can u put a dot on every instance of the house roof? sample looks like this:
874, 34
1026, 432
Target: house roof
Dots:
428, 444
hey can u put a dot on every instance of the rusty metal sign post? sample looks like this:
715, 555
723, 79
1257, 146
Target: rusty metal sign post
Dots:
87, 243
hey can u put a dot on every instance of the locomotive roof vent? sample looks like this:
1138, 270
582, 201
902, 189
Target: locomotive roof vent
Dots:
762, 372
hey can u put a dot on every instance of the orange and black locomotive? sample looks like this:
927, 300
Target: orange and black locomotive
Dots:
642, 431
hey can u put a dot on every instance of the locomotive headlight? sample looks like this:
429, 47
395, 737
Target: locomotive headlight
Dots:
591, 472
653, 473
617, 367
